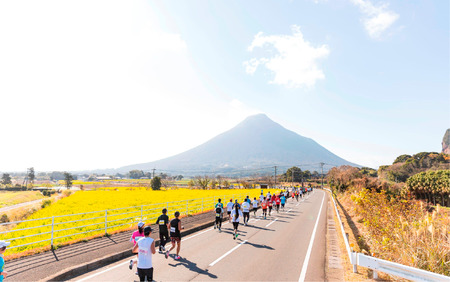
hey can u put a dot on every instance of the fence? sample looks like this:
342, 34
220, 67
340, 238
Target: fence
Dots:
385, 266
56, 230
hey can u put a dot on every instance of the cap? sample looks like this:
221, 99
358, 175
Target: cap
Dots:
140, 224
4, 244
147, 230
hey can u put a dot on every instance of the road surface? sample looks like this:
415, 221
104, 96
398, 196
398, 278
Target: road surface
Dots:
287, 246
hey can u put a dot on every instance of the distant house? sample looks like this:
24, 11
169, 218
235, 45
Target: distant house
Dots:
101, 178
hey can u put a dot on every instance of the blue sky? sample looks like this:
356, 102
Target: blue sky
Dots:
117, 83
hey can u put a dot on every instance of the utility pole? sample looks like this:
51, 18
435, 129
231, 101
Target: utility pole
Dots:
275, 176
153, 173
321, 165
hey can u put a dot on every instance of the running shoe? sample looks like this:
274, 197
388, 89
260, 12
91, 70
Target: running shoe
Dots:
163, 249
177, 257
166, 254
237, 235
131, 265
234, 237
214, 226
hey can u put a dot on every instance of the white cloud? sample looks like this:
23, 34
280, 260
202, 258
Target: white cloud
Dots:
377, 19
295, 61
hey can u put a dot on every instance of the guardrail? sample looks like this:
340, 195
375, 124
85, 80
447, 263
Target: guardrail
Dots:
52, 231
385, 266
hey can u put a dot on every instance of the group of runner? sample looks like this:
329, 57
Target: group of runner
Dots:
144, 245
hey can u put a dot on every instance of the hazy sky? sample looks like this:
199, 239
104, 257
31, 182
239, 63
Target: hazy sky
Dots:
102, 84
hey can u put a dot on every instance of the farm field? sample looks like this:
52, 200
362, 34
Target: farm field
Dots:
9, 198
87, 214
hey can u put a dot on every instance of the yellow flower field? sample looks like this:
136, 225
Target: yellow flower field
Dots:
87, 214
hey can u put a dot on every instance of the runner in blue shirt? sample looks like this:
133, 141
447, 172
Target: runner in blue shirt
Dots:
283, 201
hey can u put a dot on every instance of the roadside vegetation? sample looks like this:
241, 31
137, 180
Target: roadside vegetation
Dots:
10, 198
401, 221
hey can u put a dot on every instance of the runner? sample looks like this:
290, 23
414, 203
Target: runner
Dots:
163, 223
268, 195
145, 247
175, 235
236, 204
261, 198
246, 211
219, 215
293, 195
283, 201
264, 208
270, 204
3, 273
296, 195
236, 214
255, 206
229, 209
138, 234
248, 200
277, 203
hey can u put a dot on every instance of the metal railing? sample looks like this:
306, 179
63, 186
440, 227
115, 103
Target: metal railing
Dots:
385, 266
56, 230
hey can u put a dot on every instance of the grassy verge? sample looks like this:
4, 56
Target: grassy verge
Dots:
10, 198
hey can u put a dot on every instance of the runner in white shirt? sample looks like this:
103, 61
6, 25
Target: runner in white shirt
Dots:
236, 214
255, 205
246, 211
229, 209
261, 198
268, 196
145, 247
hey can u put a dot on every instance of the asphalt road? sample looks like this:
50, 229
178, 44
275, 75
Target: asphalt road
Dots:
287, 246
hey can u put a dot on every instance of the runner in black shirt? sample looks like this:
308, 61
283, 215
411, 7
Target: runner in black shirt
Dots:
175, 235
163, 222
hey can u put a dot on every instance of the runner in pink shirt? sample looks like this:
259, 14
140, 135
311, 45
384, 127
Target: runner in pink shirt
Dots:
138, 234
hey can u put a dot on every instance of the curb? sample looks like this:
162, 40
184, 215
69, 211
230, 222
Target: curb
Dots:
108, 259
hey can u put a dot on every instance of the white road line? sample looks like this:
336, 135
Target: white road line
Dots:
101, 272
288, 210
272, 222
311, 242
227, 253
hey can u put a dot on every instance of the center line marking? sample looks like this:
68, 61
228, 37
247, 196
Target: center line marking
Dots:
227, 253
272, 222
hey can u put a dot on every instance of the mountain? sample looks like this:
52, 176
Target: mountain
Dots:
254, 143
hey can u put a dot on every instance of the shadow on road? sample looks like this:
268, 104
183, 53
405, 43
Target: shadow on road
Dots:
192, 266
259, 246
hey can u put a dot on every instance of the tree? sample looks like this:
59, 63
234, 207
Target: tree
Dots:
31, 175
136, 174
202, 182
156, 183
68, 178
6, 179
293, 171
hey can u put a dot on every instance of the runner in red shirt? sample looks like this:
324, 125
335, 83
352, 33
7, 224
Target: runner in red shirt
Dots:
264, 208
278, 202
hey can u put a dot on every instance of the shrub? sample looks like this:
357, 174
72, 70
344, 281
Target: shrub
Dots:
403, 231
46, 203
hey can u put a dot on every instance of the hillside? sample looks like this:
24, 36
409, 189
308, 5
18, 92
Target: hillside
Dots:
254, 143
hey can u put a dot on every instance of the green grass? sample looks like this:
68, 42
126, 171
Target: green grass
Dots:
8, 198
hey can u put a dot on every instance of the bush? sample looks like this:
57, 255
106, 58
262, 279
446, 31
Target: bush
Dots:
46, 203
4, 218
